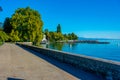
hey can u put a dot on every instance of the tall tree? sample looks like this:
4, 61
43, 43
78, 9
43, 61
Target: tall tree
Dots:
7, 26
27, 25
59, 28
46, 32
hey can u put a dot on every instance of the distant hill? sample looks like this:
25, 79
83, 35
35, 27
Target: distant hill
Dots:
82, 38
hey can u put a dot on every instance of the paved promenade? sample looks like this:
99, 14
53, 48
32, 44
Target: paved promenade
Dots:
17, 63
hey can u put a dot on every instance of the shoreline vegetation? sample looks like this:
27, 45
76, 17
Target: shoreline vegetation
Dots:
58, 36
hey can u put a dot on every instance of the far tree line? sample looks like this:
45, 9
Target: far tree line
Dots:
58, 35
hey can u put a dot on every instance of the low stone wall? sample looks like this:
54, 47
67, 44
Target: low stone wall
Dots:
107, 68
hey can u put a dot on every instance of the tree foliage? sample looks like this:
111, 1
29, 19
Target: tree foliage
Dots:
46, 32
71, 36
7, 26
58, 36
3, 36
59, 29
26, 25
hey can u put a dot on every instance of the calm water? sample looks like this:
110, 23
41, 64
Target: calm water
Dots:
107, 51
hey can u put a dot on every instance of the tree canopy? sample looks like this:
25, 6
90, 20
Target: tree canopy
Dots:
72, 36
7, 26
59, 29
58, 36
3, 36
26, 25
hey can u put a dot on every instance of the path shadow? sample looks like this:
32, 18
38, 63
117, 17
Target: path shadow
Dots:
82, 75
14, 78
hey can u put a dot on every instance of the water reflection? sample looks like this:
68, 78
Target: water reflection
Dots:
57, 46
60, 46
44, 45
72, 45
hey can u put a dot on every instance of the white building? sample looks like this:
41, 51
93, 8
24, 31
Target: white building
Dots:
44, 40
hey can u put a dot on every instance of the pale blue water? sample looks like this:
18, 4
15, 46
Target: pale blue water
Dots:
107, 51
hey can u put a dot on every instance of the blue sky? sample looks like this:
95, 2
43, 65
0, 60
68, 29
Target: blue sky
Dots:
86, 18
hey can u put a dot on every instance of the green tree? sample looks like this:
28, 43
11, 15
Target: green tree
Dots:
65, 37
46, 32
74, 36
14, 36
54, 36
58, 36
3, 36
59, 28
71, 36
7, 26
26, 25
51, 36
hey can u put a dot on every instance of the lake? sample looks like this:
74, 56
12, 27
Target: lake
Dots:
106, 51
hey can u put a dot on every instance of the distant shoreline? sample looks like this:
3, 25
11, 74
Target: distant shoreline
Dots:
82, 38
84, 41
